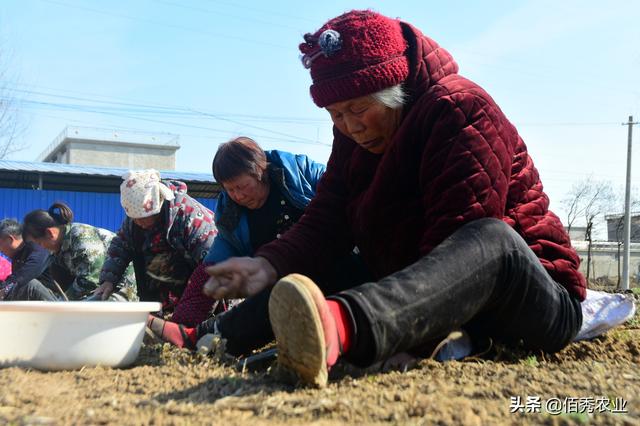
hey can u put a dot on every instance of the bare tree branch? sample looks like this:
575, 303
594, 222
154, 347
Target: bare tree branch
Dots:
576, 200
590, 200
10, 129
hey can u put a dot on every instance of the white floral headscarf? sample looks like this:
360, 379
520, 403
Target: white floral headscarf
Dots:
142, 193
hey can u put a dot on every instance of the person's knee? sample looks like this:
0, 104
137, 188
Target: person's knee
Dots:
491, 228
35, 290
489, 225
33, 285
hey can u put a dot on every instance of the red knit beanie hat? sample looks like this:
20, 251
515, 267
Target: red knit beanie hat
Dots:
353, 55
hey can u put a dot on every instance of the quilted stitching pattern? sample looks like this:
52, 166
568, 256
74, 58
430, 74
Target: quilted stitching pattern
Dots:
454, 159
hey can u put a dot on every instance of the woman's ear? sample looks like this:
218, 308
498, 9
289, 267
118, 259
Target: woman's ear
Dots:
52, 233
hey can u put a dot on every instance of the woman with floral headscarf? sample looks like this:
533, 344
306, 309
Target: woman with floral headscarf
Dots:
166, 234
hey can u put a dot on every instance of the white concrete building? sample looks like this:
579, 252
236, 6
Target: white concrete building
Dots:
113, 148
577, 233
605, 264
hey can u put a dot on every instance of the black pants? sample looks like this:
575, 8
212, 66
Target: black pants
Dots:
33, 290
483, 278
247, 327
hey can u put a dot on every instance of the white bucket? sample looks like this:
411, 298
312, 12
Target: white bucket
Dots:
70, 335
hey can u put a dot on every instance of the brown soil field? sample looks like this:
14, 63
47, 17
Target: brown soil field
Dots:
598, 382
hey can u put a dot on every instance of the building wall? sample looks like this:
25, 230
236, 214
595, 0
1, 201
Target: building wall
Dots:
97, 209
131, 157
615, 228
604, 260
61, 156
577, 233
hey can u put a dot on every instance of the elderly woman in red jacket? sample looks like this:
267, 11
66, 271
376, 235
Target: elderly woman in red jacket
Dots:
432, 183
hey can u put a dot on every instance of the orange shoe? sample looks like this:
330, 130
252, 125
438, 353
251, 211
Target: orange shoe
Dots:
305, 330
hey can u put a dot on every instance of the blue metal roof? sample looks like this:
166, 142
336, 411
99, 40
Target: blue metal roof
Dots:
74, 169
97, 209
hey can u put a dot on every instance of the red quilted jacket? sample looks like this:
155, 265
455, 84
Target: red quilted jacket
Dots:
455, 158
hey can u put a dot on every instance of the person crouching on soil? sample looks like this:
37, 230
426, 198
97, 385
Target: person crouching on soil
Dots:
435, 186
30, 278
79, 250
166, 234
263, 195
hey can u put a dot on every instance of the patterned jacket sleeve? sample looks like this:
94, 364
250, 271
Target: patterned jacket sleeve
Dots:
85, 261
119, 255
193, 231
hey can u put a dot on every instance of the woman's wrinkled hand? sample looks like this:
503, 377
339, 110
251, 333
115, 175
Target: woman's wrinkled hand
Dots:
239, 277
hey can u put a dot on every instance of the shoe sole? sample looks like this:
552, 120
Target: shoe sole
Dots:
298, 329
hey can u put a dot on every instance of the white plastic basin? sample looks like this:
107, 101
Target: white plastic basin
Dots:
70, 335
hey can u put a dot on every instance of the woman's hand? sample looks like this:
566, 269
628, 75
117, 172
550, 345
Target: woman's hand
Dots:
239, 277
106, 289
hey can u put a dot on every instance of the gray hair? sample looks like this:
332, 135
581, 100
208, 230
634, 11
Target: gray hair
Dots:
392, 97
10, 227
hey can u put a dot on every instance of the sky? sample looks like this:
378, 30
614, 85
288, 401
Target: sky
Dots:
567, 74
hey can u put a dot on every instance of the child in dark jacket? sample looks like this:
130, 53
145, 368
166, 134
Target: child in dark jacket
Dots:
29, 278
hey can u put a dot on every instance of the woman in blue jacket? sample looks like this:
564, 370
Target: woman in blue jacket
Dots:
264, 193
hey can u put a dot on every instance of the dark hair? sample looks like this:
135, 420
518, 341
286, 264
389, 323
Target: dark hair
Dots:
238, 156
35, 223
10, 227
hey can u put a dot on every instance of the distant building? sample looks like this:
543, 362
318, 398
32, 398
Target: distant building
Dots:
606, 256
606, 260
615, 227
113, 148
577, 233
